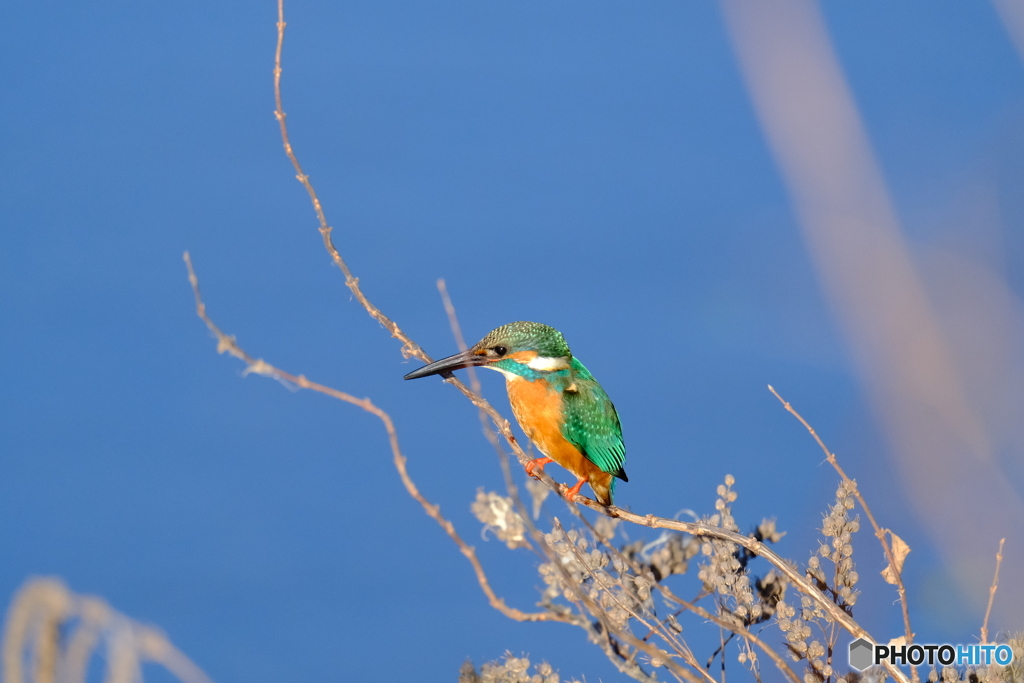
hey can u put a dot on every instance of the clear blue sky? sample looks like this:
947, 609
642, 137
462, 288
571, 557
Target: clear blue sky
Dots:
596, 166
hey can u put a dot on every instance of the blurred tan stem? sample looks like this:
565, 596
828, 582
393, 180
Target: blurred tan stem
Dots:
937, 437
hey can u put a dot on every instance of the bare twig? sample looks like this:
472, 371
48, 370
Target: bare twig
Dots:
453, 322
879, 531
474, 385
409, 347
260, 367
746, 634
992, 592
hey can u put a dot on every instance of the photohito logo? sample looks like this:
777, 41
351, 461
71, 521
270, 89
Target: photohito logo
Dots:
864, 653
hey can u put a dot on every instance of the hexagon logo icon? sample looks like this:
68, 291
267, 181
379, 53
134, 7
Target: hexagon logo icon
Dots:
860, 654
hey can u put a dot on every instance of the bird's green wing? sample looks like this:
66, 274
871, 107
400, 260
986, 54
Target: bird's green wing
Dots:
591, 423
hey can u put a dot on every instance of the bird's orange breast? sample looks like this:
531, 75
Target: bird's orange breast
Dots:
538, 409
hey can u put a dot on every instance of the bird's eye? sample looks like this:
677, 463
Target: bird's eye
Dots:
499, 350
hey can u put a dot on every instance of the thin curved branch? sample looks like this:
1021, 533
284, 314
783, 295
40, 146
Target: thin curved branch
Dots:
227, 343
879, 532
409, 347
746, 634
477, 390
992, 592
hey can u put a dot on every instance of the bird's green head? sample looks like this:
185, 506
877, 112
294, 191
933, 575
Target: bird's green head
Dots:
520, 348
524, 341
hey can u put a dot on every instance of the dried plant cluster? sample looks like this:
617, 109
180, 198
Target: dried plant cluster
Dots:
615, 588
1014, 673
512, 670
51, 635
796, 624
601, 571
619, 591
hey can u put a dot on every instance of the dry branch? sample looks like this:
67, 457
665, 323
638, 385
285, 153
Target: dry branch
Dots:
258, 366
992, 592
896, 567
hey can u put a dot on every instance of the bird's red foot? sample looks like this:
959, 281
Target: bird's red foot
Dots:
537, 464
575, 490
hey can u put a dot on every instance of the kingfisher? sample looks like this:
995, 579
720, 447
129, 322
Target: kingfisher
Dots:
557, 402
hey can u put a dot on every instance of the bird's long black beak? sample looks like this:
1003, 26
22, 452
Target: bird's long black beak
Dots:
445, 366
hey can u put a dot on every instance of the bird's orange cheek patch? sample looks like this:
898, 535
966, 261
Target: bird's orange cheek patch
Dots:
523, 357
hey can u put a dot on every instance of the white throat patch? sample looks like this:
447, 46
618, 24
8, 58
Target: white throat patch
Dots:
510, 376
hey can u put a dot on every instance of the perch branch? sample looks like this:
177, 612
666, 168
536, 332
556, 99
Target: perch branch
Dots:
992, 592
879, 532
409, 347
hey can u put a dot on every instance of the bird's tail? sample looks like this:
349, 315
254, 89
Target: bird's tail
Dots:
604, 487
